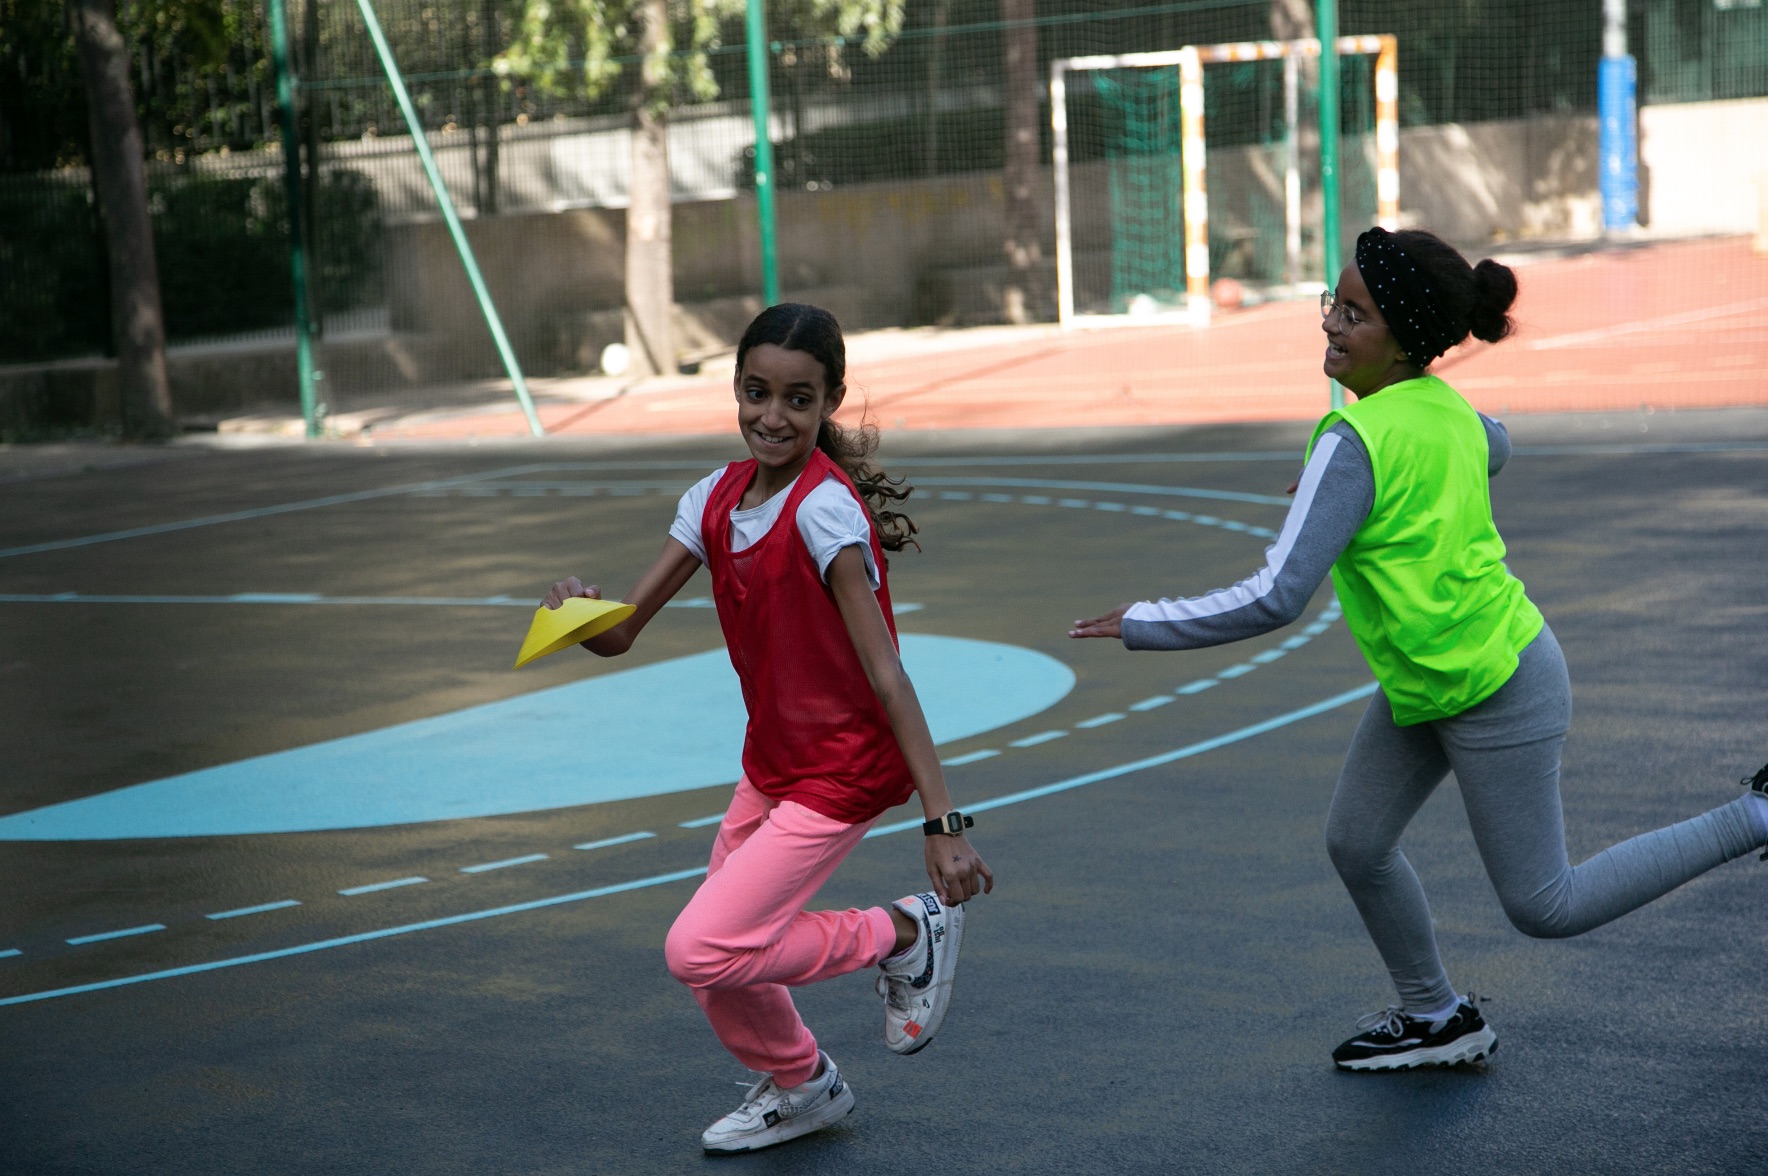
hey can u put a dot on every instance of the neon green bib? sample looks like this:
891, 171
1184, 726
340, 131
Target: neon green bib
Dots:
1423, 583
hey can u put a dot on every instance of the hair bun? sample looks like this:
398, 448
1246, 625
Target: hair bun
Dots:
1495, 291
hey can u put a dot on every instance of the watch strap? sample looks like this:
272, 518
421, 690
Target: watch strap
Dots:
952, 824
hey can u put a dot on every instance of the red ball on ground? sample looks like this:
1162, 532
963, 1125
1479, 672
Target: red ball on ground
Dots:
1227, 294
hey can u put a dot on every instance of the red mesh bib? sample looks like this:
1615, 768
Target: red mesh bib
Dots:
817, 733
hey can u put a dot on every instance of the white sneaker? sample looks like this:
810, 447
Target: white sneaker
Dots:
773, 1114
917, 984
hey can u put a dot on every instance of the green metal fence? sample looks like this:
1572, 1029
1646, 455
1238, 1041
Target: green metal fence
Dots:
541, 172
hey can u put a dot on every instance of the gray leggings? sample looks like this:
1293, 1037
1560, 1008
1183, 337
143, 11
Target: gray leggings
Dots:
1505, 755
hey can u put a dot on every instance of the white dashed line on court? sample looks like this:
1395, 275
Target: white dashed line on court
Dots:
505, 863
1236, 671
1040, 737
700, 822
607, 841
353, 891
255, 910
79, 940
1268, 656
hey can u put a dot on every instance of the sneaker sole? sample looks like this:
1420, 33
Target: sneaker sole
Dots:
826, 1115
1472, 1048
945, 969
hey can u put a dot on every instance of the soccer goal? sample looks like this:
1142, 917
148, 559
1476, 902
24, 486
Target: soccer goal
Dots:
1128, 139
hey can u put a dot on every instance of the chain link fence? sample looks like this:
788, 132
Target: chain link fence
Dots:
889, 168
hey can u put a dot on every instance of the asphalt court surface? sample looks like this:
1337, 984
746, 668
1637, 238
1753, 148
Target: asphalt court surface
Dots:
1156, 983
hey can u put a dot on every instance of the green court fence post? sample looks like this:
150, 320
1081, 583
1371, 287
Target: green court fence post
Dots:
291, 186
461, 246
764, 169
1326, 16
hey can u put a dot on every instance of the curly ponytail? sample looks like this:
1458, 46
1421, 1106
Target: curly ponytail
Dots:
814, 331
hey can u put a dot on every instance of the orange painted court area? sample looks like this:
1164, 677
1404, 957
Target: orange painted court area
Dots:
1667, 326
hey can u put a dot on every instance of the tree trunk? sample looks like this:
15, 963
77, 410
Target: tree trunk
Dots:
490, 44
119, 174
1023, 294
650, 286
935, 76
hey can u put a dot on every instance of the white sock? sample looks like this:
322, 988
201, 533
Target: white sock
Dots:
1759, 810
812, 1085
912, 957
1438, 1016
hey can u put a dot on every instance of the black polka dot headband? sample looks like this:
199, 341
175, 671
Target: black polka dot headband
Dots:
1406, 298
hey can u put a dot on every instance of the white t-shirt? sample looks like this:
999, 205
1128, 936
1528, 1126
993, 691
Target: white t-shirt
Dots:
828, 520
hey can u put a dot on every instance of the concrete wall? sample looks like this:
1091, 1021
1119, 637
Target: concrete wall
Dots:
1484, 183
914, 252
1704, 167
923, 251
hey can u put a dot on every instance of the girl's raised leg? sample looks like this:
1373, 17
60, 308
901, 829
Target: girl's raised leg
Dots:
745, 937
1506, 754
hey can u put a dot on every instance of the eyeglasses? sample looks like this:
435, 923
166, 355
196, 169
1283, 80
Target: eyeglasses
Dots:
1346, 315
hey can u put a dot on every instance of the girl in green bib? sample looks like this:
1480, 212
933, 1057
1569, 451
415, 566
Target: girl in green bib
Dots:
1394, 503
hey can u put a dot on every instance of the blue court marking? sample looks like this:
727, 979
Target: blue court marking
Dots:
1153, 761
1198, 686
1040, 737
1148, 704
897, 609
974, 757
506, 863
363, 937
10, 952
701, 822
1108, 488
261, 512
255, 910
145, 928
1042, 461
605, 842
353, 891
1100, 720
668, 727
1271, 724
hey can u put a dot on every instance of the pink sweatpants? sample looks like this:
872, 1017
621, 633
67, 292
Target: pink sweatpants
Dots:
745, 936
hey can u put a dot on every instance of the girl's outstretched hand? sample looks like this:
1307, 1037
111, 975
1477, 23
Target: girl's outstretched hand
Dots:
957, 871
1109, 625
565, 589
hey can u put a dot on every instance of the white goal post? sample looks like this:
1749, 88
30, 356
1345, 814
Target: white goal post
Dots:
1191, 59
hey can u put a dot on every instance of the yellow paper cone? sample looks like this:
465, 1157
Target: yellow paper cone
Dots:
578, 619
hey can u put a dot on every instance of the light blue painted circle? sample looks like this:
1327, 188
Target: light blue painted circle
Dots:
668, 727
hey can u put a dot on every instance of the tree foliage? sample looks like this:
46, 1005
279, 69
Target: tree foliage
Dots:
561, 45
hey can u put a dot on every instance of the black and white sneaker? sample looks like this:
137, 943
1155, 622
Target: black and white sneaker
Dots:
917, 985
1395, 1040
773, 1114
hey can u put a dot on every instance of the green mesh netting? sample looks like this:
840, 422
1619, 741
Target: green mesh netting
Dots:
1147, 183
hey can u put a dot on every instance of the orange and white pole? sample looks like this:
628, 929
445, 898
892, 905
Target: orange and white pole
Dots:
1387, 134
1196, 197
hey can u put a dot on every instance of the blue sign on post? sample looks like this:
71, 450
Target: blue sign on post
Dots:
1618, 141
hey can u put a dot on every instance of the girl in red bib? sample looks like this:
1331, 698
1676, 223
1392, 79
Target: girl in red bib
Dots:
795, 538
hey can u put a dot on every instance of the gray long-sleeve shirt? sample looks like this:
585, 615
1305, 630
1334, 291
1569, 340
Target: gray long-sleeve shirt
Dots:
1332, 501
